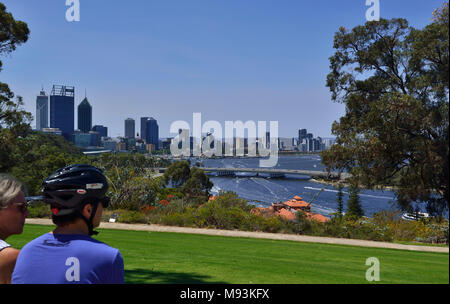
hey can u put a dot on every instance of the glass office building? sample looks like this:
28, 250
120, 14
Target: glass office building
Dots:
102, 130
129, 128
150, 131
62, 108
85, 116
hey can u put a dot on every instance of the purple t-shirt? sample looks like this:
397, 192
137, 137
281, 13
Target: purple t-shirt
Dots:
68, 259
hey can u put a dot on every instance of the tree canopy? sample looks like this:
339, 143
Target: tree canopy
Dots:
393, 80
12, 34
14, 121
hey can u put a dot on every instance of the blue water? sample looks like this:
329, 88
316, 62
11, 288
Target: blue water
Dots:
265, 191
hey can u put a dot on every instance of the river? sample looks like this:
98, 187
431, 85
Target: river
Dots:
265, 191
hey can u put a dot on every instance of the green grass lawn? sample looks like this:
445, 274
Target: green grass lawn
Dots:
161, 257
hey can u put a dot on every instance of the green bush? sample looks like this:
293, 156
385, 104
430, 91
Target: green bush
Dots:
39, 210
128, 216
178, 219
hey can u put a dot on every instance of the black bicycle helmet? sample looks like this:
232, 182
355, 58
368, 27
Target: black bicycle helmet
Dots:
69, 189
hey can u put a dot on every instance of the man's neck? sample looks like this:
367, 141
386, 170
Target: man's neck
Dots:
73, 228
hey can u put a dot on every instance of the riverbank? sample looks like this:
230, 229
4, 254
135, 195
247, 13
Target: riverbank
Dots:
334, 184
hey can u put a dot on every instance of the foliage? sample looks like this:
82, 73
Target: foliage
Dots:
135, 193
129, 216
17, 121
177, 173
354, 208
393, 80
197, 185
340, 200
34, 157
192, 182
39, 210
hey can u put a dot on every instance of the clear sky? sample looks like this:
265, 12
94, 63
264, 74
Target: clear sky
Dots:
229, 59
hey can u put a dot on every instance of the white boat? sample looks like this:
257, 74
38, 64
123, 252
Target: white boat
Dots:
415, 216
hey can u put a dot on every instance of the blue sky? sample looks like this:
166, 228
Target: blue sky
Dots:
230, 59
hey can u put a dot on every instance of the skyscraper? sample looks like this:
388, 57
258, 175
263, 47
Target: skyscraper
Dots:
42, 111
62, 108
302, 135
129, 128
150, 131
85, 116
102, 130
144, 128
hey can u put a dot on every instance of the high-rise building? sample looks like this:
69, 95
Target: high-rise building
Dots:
42, 111
62, 108
85, 116
150, 131
129, 128
102, 130
144, 128
302, 135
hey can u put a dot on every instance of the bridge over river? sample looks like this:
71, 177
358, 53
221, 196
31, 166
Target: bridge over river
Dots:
273, 173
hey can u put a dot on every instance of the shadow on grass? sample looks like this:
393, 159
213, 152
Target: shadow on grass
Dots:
145, 276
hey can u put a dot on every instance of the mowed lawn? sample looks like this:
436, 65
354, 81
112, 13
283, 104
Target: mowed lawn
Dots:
161, 257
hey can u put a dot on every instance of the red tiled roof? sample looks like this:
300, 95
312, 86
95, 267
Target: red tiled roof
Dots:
317, 217
286, 214
297, 204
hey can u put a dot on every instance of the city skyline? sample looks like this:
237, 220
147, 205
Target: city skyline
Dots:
229, 62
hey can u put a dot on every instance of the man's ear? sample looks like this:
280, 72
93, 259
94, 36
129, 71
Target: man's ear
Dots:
87, 210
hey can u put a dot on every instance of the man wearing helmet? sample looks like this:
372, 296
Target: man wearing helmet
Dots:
68, 254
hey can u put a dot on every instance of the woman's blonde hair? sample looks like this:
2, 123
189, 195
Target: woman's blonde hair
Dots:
9, 189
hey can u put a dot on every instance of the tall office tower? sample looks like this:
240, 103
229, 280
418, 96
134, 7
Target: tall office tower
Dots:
144, 128
85, 116
102, 130
150, 131
42, 111
302, 135
129, 128
62, 108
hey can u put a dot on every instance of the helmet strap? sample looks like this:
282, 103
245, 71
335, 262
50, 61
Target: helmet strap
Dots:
90, 222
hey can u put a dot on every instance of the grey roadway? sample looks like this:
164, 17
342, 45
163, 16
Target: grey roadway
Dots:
325, 174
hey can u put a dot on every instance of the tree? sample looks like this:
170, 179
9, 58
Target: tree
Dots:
340, 200
354, 208
177, 173
38, 155
12, 34
394, 82
192, 182
198, 184
16, 120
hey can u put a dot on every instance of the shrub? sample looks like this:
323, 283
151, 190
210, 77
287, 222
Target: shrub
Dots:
127, 216
178, 219
39, 210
